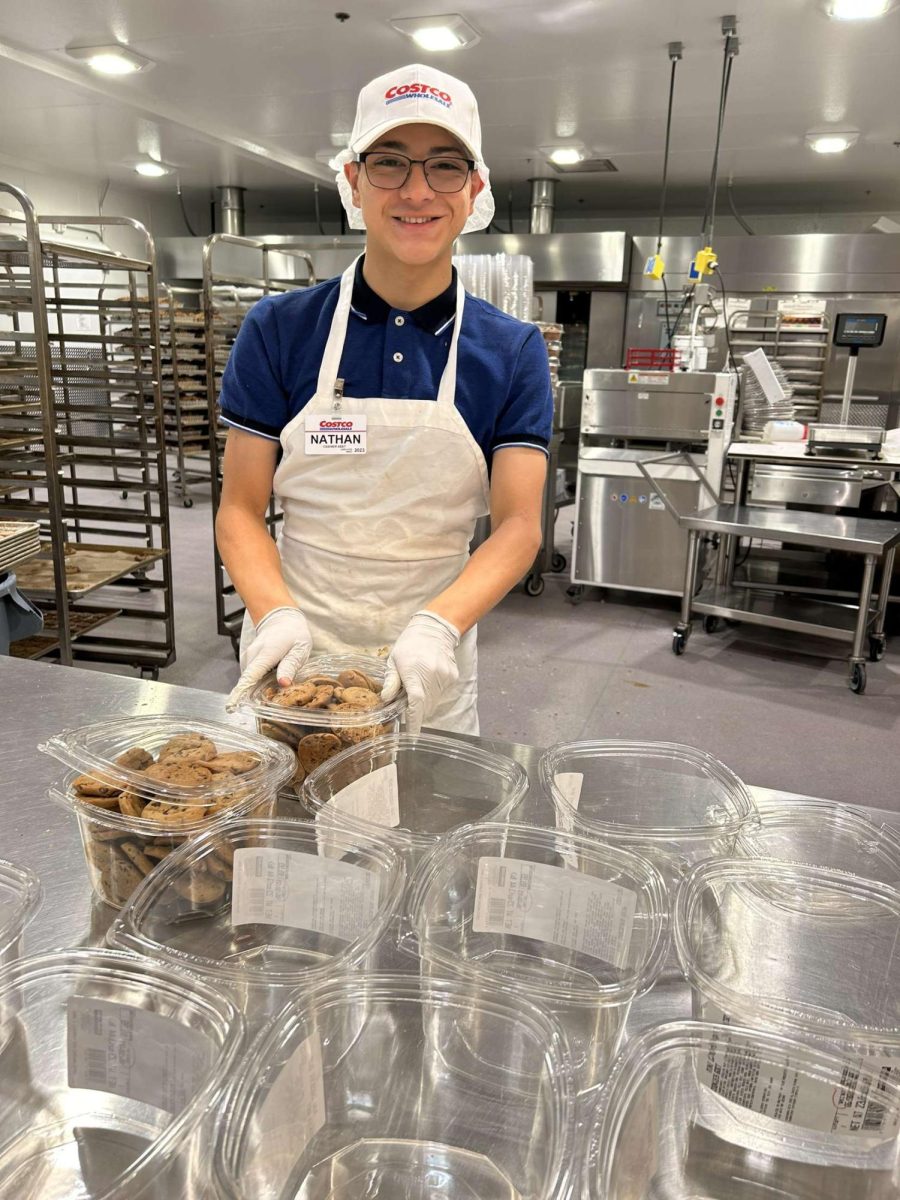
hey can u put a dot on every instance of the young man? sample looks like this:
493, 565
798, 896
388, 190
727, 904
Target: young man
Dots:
403, 410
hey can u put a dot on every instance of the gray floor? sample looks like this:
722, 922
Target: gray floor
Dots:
775, 710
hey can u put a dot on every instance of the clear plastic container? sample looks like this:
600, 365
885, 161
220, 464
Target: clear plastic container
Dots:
20, 898
410, 791
317, 734
111, 1069
692, 1110
131, 817
577, 926
676, 804
264, 908
797, 950
822, 834
390, 1086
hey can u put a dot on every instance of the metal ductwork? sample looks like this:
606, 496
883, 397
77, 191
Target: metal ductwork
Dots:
543, 202
230, 211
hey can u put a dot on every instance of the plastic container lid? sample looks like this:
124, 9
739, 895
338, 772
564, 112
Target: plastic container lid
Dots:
110, 1065
20, 898
93, 749
734, 1112
327, 903
395, 1086
646, 791
589, 928
793, 948
412, 789
823, 834
329, 666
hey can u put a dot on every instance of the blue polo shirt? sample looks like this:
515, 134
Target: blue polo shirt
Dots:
503, 377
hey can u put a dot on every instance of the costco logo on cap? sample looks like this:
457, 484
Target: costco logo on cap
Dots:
413, 91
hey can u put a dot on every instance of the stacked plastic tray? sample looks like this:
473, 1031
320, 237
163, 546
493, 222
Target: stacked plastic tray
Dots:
429, 977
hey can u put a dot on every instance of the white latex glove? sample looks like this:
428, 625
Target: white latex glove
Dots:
282, 640
424, 662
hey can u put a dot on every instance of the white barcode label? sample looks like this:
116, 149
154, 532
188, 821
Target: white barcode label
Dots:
568, 784
734, 1069
375, 797
131, 1052
302, 891
288, 1119
556, 905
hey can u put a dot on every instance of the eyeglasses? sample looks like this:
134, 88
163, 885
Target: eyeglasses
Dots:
385, 169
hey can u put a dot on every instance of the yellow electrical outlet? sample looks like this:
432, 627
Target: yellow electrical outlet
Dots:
654, 267
705, 262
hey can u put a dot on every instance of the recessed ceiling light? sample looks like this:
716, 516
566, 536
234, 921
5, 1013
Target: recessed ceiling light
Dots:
831, 143
565, 156
438, 34
113, 59
152, 169
857, 10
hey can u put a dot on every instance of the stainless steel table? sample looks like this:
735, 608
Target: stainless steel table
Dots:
39, 699
873, 540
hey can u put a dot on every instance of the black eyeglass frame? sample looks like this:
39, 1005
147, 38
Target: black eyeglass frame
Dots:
361, 159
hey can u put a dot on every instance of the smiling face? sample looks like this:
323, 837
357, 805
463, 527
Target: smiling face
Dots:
413, 223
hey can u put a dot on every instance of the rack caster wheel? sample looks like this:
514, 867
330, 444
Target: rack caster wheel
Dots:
679, 642
858, 678
150, 673
711, 624
187, 502
534, 585
575, 593
558, 563
877, 646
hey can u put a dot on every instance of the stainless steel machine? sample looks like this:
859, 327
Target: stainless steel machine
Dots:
624, 535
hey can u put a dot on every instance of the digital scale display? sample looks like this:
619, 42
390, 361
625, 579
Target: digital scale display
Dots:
859, 329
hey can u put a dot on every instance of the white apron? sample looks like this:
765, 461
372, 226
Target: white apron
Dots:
368, 539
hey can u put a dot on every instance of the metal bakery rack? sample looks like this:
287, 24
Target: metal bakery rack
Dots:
185, 406
81, 414
238, 271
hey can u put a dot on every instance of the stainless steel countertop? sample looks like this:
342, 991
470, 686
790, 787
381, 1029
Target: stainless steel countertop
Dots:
795, 452
857, 535
40, 699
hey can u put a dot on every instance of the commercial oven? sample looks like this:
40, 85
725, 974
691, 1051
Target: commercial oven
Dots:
624, 535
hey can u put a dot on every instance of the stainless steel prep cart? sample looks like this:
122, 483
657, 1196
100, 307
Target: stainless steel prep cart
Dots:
873, 540
37, 834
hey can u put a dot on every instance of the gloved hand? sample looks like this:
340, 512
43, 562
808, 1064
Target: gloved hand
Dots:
282, 640
424, 662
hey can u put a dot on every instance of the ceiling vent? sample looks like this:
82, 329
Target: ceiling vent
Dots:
587, 166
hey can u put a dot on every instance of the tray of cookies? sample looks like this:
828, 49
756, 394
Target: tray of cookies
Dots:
143, 785
335, 702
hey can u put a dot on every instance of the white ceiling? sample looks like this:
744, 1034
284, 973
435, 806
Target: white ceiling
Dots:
249, 93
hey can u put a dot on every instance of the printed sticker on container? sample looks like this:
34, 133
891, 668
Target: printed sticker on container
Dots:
555, 905
568, 784
734, 1069
302, 891
130, 1052
289, 1118
375, 797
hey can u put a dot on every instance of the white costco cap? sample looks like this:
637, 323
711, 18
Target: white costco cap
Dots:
422, 95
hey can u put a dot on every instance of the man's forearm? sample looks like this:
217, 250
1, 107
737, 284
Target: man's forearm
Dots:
252, 561
495, 567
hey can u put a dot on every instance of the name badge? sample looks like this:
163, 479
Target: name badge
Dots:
339, 433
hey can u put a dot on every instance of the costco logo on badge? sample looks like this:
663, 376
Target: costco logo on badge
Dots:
415, 90
324, 424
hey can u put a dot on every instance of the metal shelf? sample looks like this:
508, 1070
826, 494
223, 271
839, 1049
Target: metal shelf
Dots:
226, 301
80, 377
